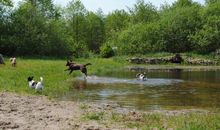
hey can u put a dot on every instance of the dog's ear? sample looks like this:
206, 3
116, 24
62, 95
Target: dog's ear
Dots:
30, 78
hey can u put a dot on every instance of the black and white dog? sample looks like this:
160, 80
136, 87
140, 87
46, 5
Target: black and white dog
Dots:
141, 77
35, 85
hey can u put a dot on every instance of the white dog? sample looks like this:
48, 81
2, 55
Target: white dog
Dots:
35, 85
141, 77
13, 61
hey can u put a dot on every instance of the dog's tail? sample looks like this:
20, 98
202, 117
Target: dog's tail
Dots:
41, 79
87, 64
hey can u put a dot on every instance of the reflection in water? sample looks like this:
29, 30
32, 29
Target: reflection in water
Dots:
174, 89
80, 84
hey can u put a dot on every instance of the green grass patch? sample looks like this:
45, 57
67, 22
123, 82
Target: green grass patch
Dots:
93, 116
56, 80
15, 79
84, 106
188, 121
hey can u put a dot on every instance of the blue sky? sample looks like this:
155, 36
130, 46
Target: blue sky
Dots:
110, 5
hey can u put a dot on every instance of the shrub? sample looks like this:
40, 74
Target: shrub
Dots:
106, 51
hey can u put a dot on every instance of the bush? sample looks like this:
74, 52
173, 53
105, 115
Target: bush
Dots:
139, 39
106, 51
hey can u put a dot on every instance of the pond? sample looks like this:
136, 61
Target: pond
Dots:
163, 90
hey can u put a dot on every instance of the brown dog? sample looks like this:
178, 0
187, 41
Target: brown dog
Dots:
74, 66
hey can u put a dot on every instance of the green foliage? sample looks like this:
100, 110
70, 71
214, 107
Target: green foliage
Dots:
6, 40
42, 28
143, 12
211, 1
139, 39
107, 51
176, 27
95, 31
6, 2
207, 39
116, 22
182, 3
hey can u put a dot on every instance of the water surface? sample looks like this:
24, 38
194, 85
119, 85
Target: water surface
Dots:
164, 90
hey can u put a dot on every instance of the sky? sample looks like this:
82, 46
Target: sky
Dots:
108, 6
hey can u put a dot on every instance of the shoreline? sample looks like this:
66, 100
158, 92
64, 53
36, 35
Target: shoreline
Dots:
173, 67
38, 112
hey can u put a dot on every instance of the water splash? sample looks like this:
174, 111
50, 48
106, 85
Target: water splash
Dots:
111, 80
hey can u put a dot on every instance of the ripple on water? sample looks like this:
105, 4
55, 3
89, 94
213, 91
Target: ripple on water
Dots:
111, 80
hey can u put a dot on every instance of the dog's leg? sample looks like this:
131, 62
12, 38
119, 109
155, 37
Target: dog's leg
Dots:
84, 70
67, 69
70, 71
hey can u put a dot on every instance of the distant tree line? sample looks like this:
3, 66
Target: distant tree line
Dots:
38, 27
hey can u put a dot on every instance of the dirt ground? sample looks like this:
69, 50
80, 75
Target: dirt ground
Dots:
25, 112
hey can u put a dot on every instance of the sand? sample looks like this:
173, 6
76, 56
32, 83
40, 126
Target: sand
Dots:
28, 112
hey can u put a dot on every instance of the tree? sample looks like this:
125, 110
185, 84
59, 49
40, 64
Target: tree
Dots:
139, 39
5, 27
77, 27
211, 1
177, 25
207, 39
116, 22
143, 12
44, 7
29, 29
36, 33
182, 3
95, 31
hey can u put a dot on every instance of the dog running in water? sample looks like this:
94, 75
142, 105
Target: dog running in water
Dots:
141, 77
74, 66
35, 85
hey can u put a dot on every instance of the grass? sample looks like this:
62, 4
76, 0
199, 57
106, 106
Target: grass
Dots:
15, 79
102, 66
190, 121
56, 80
93, 116
162, 121
159, 121
84, 106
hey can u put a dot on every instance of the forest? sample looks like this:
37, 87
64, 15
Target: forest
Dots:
41, 28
